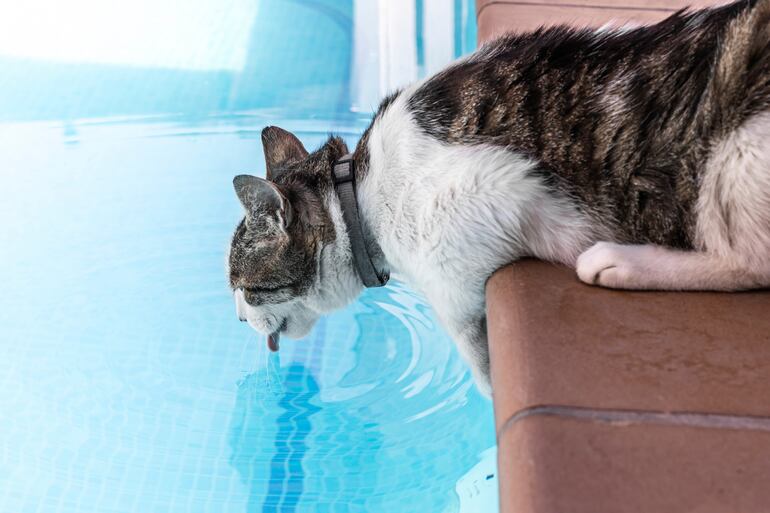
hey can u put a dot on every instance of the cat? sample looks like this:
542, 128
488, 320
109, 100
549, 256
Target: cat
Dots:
640, 157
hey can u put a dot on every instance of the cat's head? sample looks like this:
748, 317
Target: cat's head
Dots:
290, 259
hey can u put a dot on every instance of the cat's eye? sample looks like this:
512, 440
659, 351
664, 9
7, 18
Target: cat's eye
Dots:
262, 290
262, 295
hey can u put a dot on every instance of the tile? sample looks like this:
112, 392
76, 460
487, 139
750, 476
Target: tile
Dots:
498, 17
630, 4
554, 340
558, 465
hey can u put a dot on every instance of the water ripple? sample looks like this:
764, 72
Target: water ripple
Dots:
375, 383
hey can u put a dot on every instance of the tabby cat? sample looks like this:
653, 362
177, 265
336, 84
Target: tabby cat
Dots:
640, 157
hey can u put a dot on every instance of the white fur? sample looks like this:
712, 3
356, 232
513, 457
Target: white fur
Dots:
448, 216
732, 233
734, 202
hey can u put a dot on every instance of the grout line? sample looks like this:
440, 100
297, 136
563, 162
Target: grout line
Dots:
640, 417
581, 6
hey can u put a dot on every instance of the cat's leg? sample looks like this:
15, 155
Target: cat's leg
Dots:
461, 310
649, 267
474, 348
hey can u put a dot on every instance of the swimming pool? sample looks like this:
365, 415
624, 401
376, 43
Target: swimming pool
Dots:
128, 384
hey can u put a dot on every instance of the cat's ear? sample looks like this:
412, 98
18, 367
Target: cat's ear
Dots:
261, 198
281, 147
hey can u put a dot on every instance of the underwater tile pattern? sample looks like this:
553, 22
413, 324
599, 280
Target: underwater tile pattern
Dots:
126, 382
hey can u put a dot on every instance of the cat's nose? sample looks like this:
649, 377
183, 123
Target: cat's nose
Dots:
241, 318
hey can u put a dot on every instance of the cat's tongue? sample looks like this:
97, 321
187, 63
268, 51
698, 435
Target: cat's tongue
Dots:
272, 341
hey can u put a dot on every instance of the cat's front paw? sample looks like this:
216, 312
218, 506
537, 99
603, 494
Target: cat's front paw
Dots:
612, 265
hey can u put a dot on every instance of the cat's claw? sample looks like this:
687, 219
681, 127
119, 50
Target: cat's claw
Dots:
611, 265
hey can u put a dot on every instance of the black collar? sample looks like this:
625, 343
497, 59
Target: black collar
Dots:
344, 177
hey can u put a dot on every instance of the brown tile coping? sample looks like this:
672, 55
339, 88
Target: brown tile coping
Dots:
496, 17
555, 341
617, 401
566, 465
668, 5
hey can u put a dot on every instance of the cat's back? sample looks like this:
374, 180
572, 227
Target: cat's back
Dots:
528, 88
621, 118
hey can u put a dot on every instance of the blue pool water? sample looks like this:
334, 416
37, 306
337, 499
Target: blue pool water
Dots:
126, 382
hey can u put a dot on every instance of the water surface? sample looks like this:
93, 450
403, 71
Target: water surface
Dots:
126, 382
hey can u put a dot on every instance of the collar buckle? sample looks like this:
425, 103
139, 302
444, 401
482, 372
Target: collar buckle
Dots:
344, 170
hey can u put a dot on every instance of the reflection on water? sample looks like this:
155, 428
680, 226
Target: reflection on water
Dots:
121, 352
375, 417
127, 383
276, 483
